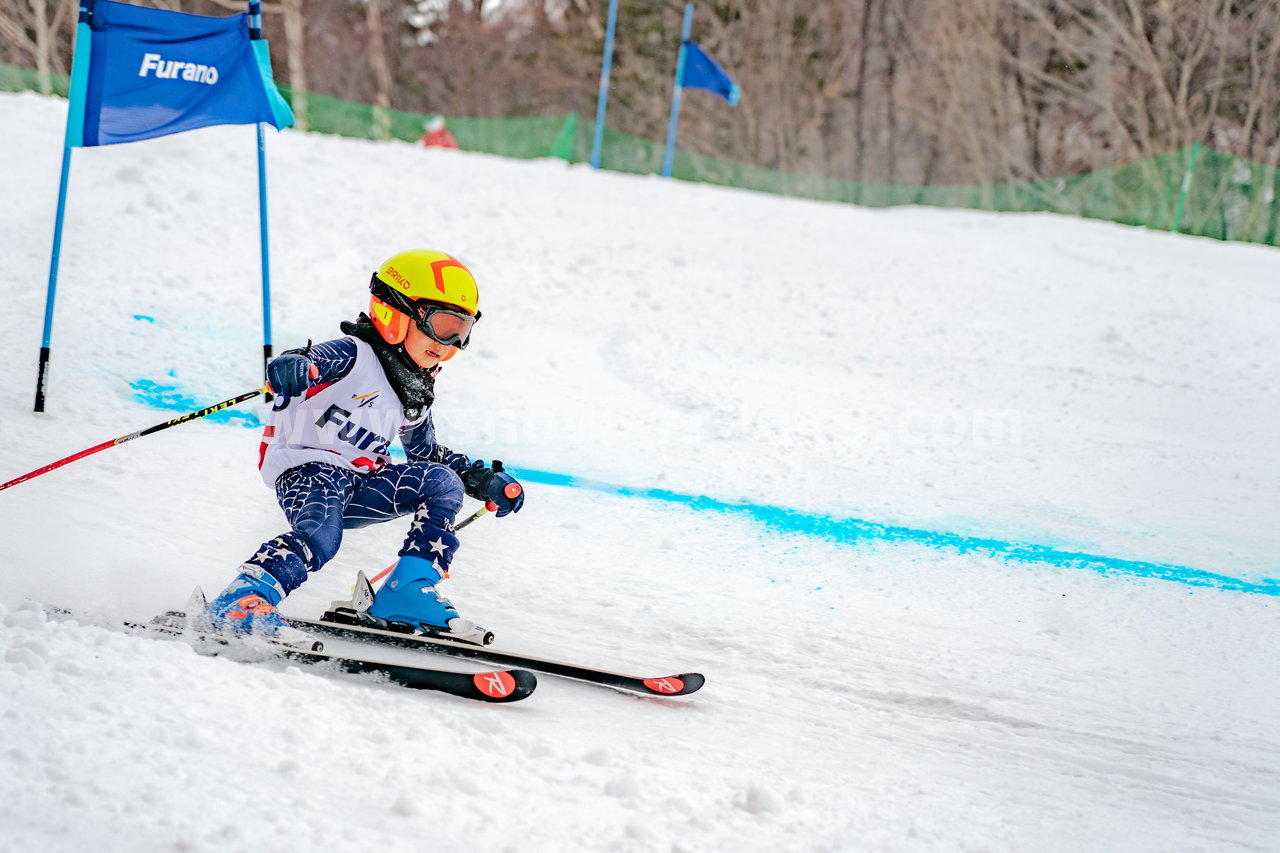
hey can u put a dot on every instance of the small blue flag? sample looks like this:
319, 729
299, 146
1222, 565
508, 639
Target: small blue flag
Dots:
702, 72
139, 73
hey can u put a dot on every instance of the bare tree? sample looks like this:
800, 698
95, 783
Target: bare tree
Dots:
31, 28
381, 70
295, 51
873, 91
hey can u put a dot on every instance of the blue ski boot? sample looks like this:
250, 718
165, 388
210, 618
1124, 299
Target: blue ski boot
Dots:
248, 606
409, 597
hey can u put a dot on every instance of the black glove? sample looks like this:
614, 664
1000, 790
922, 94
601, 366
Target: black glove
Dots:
493, 485
290, 374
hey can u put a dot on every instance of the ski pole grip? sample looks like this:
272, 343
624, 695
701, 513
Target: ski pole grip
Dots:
313, 372
490, 506
511, 490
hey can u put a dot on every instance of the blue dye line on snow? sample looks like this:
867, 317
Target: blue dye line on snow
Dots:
168, 397
856, 531
844, 530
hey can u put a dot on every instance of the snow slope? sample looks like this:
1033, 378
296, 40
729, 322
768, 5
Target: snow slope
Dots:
968, 518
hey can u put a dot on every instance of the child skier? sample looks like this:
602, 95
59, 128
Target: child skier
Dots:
326, 452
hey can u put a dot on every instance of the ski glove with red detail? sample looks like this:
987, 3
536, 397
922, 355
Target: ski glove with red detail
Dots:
493, 485
289, 375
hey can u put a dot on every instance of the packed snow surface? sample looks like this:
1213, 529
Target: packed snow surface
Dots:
969, 519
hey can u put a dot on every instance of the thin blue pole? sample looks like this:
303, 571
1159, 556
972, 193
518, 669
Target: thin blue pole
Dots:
602, 99
255, 19
685, 30
266, 249
74, 137
42, 375
255, 32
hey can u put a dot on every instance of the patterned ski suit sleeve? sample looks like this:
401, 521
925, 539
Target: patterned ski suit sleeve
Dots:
420, 446
333, 359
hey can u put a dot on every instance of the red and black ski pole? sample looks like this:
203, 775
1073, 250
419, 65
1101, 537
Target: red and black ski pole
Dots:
489, 506
512, 491
217, 407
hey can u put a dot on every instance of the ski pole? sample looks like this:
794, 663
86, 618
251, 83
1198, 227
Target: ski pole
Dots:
488, 507
512, 491
191, 416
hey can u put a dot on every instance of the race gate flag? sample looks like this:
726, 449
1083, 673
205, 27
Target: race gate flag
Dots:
139, 73
694, 70
702, 72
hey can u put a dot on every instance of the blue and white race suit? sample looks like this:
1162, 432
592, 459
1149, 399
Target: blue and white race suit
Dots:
327, 453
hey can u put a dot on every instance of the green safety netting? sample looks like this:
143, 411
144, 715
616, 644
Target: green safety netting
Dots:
1194, 191
16, 79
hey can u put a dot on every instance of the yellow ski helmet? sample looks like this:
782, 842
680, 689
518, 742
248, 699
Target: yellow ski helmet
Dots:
427, 287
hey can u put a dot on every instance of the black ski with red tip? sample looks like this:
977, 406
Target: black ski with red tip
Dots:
508, 685
496, 686
671, 685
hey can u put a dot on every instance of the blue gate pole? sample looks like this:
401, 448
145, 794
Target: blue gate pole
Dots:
74, 137
266, 249
42, 375
685, 30
602, 99
255, 32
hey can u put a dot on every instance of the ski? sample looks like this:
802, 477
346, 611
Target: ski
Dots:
344, 623
504, 685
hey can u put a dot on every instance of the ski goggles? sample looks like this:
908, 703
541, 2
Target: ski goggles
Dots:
443, 325
439, 321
